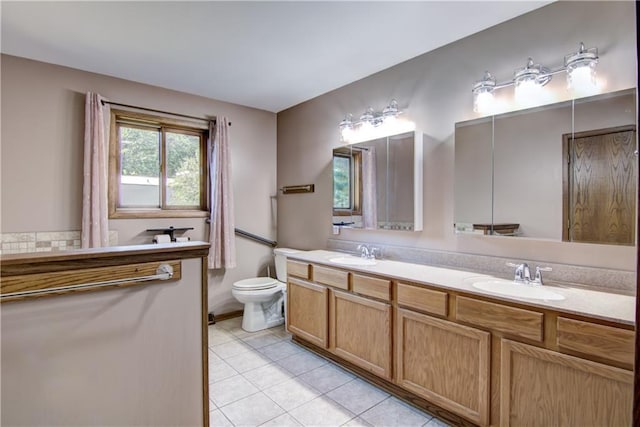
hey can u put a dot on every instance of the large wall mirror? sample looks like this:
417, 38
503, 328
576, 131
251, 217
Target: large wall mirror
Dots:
565, 171
377, 184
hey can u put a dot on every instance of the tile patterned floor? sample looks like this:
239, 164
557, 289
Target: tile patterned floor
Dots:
262, 379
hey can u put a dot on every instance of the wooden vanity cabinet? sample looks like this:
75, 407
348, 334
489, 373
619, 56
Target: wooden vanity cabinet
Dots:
360, 332
307, 311
539, 387
483, 360
353, 326
444, 362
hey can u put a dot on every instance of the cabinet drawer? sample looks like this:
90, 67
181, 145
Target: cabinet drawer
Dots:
331, 277
371, 286
298, 269
514, 321
597, 340
427, 300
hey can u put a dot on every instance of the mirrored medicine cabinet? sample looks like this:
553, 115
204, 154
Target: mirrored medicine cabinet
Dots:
564, 172
377, 184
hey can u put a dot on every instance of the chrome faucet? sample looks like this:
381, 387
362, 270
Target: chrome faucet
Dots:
364, 251
523, 274
368, 252
537, 281
374, 252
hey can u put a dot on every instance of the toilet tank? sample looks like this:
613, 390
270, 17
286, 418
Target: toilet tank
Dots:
281, 262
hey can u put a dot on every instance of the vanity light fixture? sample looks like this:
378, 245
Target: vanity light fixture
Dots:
370, 124
580, 67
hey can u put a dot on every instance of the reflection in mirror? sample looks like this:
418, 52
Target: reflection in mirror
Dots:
375, 185
565, 171
346, 185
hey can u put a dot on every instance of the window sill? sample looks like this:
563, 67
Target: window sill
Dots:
139, 213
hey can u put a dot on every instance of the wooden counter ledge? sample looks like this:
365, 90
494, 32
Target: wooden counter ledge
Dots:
23, 275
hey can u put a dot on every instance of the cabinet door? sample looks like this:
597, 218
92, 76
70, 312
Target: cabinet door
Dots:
307, 309
446, 363
361, 332
545, 388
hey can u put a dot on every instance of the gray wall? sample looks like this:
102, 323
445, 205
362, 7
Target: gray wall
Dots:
42, 149
434, 90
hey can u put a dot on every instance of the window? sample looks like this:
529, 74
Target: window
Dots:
347, 179
158, 167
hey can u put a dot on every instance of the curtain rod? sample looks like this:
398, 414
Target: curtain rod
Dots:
158, 111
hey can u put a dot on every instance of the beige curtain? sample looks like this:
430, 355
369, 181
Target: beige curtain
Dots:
95, 225
222, 228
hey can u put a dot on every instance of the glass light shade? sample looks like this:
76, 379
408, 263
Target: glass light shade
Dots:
366, 131
367, 117
391, 110
528, 91
581, 78
346, 133
581, 71
483, 101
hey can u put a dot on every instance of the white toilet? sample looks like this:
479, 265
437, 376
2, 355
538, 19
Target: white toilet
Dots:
263, 297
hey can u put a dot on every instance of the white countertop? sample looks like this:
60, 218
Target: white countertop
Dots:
602, 305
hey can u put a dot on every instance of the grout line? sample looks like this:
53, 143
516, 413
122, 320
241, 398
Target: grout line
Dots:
322, 395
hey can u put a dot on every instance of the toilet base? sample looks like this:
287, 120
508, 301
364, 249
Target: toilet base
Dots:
258, 316
254, 323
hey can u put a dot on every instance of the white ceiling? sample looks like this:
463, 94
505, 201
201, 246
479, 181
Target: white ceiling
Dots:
267, 55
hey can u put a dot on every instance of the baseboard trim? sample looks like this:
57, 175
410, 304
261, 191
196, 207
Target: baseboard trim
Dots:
224, 316
391, 388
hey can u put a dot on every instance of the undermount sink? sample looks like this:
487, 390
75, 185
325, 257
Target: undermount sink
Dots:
352, 260
513, 289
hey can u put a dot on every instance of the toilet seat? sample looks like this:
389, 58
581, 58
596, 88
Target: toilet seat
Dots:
255, 284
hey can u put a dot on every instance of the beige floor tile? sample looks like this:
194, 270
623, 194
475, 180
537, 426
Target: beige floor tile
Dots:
357, 422
268, 376
255, 378
262, 340
284, 420
280, 350
392, 412
357, 396
291, 394
219, 336
233, 323
217, 419
302, 362
252, 410
321, 411
327, 377
213, 357
227, 391
247, 361
230, 349
220, 370
434, 422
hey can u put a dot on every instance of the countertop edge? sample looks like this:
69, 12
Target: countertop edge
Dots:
29, 263
322, 256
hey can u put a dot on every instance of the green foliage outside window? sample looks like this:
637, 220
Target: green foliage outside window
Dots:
341, 182
140, 154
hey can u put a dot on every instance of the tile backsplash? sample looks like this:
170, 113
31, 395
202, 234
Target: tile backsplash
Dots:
44, 241
618, 281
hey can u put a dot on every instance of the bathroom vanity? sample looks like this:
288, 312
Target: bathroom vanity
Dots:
469, 356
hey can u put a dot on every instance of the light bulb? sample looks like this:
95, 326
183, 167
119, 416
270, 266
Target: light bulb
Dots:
582, 79
581, 71
483, 102
347, 133
528, 92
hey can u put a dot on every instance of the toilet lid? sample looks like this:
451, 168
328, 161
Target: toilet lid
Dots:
256, 283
